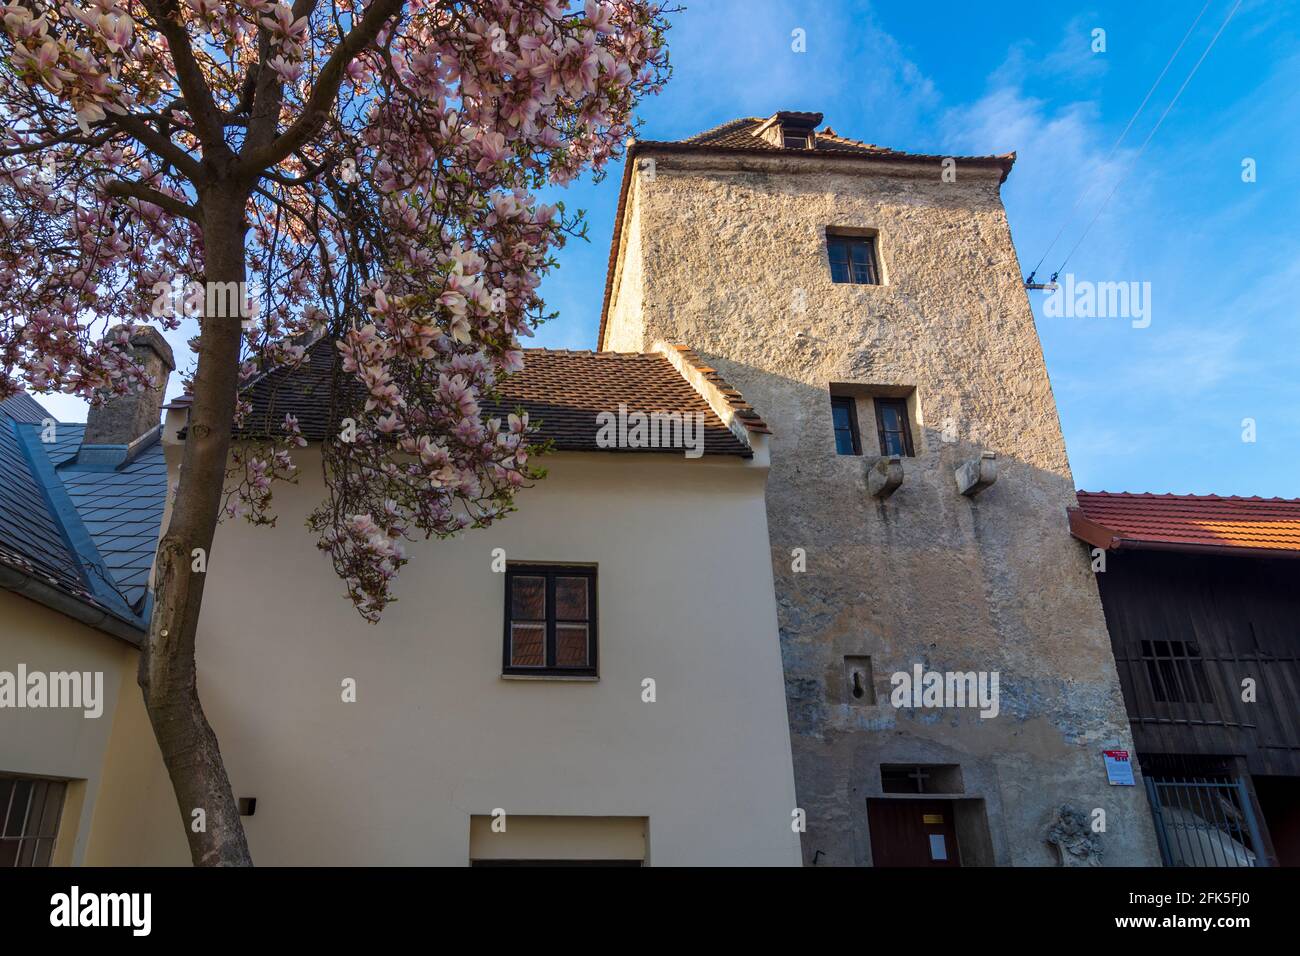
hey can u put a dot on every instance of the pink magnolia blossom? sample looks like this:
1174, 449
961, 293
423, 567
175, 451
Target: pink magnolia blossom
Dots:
400, 222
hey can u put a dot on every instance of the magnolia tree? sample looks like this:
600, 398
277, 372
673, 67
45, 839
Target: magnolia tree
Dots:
358, 170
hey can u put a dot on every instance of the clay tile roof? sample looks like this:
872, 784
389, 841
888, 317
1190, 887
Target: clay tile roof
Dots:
742, 134
743, 411
1263, 526
562, 391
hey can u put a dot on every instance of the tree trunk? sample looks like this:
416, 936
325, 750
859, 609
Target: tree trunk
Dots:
167, 665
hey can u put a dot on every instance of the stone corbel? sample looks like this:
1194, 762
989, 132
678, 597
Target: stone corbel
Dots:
976, 474
884, 476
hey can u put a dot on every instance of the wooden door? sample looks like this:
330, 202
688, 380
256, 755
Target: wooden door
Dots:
913, 833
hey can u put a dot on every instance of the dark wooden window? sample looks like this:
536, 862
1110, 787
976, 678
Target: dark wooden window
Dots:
1176, 672
853, 259
30, 808
845, 416
550, 620
895, 432
795, 140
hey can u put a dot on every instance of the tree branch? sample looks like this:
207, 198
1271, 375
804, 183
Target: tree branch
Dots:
75, 137
124, 187
317, 109
160, 144
189, 75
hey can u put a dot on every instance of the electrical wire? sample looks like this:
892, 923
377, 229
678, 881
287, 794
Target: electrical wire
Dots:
1223, 26
1132, 119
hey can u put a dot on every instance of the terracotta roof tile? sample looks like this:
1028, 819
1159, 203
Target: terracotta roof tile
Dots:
562, 391
1188, 522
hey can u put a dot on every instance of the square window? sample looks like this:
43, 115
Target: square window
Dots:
550, 620
844, 415
853, 259
893, 427
1176, 672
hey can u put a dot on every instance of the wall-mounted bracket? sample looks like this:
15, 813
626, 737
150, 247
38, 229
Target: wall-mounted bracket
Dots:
884, 476
976, 474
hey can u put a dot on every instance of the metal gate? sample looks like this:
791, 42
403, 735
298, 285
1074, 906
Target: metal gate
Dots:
1204, 821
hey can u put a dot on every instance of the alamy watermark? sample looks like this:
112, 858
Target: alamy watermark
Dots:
81, 690
946, 690
1083, 299
635, 429
203, 300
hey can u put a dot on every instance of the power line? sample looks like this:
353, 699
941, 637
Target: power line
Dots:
1215, 39
1132, 119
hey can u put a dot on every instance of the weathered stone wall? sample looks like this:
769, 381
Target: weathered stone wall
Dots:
730, 257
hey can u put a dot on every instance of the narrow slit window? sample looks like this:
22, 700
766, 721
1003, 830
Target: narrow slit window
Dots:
550, 620
853, 259
844, 414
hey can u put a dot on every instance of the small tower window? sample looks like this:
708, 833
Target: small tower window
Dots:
895, 432
853, 259
795, 140
845, 416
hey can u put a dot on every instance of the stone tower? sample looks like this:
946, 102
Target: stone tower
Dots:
869, 303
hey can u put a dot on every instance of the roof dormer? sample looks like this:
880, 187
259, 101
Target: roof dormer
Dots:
790, 130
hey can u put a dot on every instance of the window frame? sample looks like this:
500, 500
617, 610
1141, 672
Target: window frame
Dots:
873, 257
38, 840
550, 572
1176, 675
851, 403
880, 402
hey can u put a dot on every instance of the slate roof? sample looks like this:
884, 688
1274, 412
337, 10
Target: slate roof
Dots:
122, 509
562, 391
87, 530
31, 540
1260, 526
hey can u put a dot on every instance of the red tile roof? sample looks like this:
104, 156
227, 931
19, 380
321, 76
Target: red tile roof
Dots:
1263, 526
562, 391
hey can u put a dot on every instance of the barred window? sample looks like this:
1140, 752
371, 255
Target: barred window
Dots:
30, 808
1177, 672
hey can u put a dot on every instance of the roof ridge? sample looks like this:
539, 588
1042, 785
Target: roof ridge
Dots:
1174, 495
740, 408
720, 127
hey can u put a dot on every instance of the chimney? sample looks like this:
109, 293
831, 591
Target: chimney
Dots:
125, 418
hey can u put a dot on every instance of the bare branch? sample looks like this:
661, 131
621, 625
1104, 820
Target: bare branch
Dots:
160, 144
316, 111
198, 97
124, 187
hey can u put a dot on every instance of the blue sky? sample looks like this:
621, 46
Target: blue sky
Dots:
1144, 409
1155, 409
